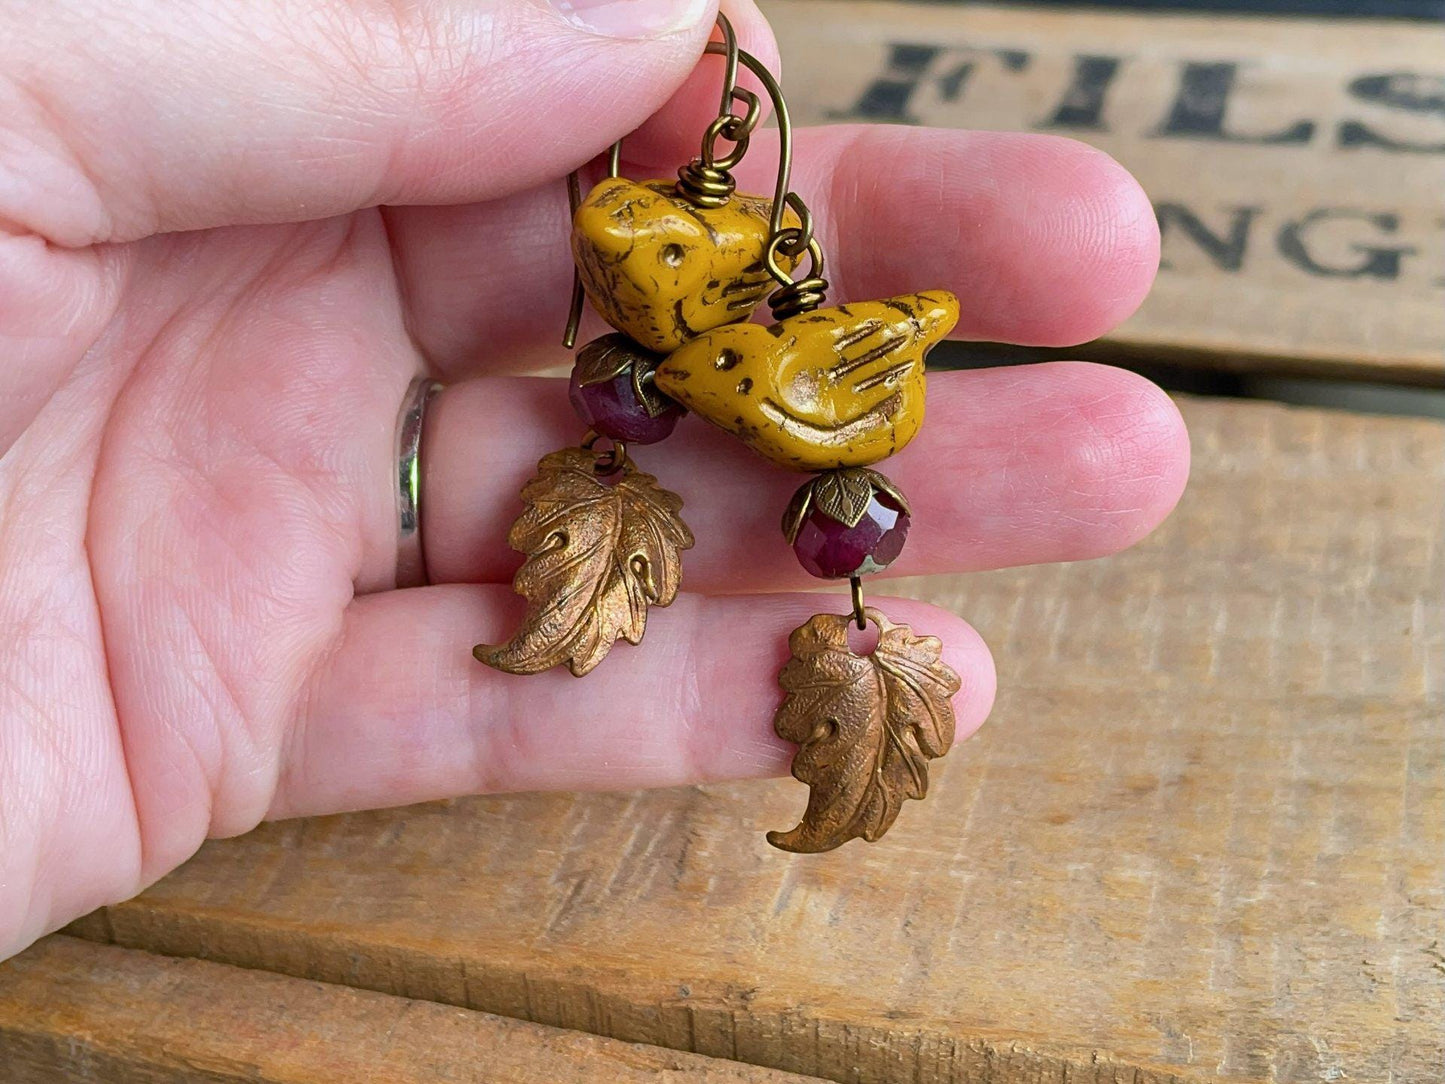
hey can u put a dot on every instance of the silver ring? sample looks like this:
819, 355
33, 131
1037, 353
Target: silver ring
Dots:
410, 557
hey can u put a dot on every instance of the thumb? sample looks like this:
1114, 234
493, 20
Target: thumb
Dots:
133, 117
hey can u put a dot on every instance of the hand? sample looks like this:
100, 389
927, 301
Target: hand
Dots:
231, 233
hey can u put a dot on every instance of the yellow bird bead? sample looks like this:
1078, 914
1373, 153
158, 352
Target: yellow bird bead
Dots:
663, 271
838, 387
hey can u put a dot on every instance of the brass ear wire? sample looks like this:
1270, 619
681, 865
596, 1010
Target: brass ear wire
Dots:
702, 179
730, 63
706, 180
574, 311
807, 293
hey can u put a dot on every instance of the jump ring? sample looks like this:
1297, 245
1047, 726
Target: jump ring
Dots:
610, 460
709, 148
784, 241
860, 615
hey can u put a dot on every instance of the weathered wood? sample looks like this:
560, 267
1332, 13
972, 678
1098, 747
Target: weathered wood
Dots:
71, 1010
1203, 837
1297, 166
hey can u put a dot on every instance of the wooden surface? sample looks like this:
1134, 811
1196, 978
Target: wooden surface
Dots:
1202, 837
1297, 166
75, 1011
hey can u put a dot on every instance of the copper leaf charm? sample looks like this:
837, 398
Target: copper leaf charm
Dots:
597, 556
868, 726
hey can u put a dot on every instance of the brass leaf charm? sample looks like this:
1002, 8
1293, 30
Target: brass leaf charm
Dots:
868, 726
598, 555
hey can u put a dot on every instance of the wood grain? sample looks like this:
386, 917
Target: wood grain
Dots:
71, 1010
1202, 838
1297, 166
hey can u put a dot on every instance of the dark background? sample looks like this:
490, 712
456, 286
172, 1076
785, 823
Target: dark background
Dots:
1371, 9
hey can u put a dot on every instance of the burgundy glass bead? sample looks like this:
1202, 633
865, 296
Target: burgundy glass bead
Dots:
613, 410
833, 550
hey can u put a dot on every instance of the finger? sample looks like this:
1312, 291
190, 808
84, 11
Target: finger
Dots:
53, 306
1052, 241
1046, 241
403, 713
673, 134
1055, 462
144, 118
441, 268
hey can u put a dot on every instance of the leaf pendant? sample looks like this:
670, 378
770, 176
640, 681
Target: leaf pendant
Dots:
867, 725
598, 554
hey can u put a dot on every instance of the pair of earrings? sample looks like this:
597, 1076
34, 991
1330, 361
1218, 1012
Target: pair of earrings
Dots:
678, 268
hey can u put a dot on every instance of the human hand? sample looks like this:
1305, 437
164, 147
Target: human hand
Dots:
230, 236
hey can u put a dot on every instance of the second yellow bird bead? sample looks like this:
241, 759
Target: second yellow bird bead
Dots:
662, 270
836, 387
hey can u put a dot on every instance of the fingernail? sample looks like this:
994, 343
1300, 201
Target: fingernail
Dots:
631, 18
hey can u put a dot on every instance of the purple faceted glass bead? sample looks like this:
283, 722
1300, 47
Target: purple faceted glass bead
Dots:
833, 550
612, 408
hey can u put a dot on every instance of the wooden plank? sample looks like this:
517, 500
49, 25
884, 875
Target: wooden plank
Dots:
1297, 166
1203, 837
1354, 9
71, 1010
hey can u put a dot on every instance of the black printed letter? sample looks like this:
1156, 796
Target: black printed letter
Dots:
1082, 105
1225, 249
1378, 262
1411, 93
1198, 111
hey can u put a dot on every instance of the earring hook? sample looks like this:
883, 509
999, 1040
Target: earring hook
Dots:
782, 198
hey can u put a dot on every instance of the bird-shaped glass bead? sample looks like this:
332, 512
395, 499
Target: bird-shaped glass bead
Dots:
662, 270
835, 387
